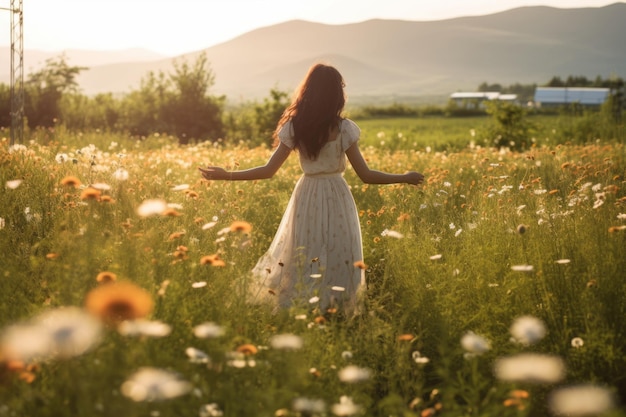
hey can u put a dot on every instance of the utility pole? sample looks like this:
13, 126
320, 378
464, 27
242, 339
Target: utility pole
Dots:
17, 70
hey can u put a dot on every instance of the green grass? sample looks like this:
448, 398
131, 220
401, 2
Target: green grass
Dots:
569, 197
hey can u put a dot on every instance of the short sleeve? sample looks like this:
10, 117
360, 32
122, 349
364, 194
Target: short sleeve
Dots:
350, 134
285, 134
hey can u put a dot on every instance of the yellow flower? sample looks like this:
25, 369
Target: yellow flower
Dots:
118, 301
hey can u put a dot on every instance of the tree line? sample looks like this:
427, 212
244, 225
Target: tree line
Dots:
180, 104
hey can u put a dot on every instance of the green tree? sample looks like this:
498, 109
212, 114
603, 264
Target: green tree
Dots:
511, 127
268, 114
141, 109
46, 87
189, 112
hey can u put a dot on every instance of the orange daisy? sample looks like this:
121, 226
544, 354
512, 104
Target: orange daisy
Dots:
90, 193
106, 277
247, 349
118, 301
360, 265
213, 260
71, 181
241, 226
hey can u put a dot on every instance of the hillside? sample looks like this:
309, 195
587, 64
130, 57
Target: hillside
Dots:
393, 57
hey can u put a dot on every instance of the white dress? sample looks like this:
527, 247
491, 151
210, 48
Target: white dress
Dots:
318, 241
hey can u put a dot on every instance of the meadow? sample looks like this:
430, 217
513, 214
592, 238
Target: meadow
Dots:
495, 289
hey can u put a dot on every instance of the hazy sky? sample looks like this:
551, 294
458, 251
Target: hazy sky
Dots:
178, 26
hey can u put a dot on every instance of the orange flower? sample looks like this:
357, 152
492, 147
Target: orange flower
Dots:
90, 193
118, 301
170, 212
407, 337
192, 194
106, 199
360, 265
403, 217
176, 235
106, 277
213, 260
52, 255
241, 226
247, 349
71, 181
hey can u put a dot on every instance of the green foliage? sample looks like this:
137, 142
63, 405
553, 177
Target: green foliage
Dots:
450, 273
511, 127
45, 89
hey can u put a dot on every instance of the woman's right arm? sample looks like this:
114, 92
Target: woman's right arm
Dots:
262, 172
370, 176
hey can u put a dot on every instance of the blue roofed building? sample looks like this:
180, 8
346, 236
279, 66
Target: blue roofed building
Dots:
558, 96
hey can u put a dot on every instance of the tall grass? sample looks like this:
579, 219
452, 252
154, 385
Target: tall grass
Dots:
491, 237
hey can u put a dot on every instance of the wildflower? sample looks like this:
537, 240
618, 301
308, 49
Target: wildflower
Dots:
346, 407
175, 235
527, 330
210, 410
151, 207
286, 342
407, 337
314, 300
90, 193
170, 212
360, 265
392, 233
61, 157
142, 327
181, 187
581, 400
315, 276
208, 226
308, 406
621, 216
208, 330
247, 349
521, 229
562, 261
197, 356
530, 367
105, 277
118, 301
346, 355
577, 342
52, 255
614, 229
13, 184
199, 284
241, 226
153, 384
435, 257
60, 333
212, 260
120, 174
475, 344
419, 359
2, 223
522, 268
352, 374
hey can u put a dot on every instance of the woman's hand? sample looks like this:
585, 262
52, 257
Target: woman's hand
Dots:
414, 178
214, 173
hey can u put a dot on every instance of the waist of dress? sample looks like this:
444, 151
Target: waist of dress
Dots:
324, 175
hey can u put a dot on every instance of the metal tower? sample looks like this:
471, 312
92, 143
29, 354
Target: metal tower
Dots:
17, 71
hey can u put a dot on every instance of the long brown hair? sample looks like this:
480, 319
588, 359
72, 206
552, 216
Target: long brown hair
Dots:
316, 108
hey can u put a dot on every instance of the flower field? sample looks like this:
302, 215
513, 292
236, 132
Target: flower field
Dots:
495, 289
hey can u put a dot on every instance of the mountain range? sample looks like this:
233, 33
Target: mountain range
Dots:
388, 58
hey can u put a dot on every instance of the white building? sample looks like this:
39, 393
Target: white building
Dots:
475, 100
